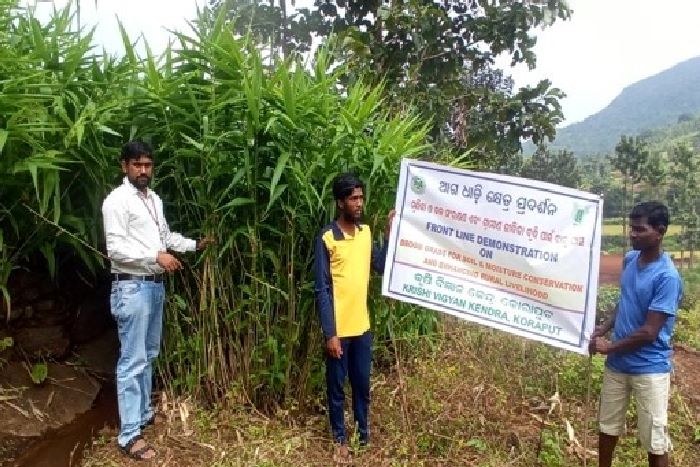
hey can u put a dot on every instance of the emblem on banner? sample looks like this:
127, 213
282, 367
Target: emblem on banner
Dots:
580, 214
417, 185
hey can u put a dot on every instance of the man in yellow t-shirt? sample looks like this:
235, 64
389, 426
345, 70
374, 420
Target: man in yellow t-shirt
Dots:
343, 256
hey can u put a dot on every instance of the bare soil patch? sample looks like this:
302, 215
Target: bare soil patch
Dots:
686, 362
610, 269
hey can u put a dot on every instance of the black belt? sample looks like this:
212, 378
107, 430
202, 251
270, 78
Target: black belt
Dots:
132, 277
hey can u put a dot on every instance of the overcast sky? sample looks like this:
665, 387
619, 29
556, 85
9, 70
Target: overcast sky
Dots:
607, 44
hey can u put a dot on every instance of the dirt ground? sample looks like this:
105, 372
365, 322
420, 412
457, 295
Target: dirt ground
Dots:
456, 408
610, 269
686, 376
452, 408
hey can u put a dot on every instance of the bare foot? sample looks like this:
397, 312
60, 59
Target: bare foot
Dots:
342, 454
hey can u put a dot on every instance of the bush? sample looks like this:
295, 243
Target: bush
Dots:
608, 297
245, 150
687, 329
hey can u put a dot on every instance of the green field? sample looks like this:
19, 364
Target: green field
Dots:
609, 229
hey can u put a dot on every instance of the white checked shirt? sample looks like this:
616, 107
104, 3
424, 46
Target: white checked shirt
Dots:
136, 231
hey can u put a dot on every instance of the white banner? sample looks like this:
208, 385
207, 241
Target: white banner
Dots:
511, 253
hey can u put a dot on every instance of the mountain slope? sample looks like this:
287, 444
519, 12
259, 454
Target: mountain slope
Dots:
664, 139
653, 102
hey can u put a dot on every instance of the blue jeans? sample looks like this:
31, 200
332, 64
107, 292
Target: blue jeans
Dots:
137, 306
355, 362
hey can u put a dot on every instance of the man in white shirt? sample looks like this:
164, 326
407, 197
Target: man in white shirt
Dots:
138, 240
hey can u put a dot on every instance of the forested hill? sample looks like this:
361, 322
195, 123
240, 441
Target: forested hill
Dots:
664, 139
665, 98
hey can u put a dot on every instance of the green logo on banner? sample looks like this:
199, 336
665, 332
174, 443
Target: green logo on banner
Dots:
580, 214
417, 185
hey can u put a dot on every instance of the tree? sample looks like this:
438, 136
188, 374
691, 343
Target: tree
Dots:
595, 174
269, 23
439, 56
560, 168
597, 178
682, 196
630, 157
654, 175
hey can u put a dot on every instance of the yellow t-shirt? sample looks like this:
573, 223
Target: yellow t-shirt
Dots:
343, 264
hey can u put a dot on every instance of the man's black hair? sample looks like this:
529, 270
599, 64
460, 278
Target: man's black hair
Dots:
344, 184
655, 212
135, 149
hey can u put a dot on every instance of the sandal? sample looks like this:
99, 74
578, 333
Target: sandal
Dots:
139, 453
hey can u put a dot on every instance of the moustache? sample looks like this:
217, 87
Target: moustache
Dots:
141, 180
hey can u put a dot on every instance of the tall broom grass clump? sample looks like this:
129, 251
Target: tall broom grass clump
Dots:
250, 150
245, 150
61, 106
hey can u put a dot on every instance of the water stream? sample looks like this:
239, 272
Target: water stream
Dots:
64, 447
